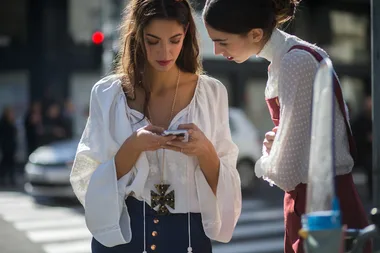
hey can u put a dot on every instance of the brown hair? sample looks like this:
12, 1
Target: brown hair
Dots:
132, 56
285, 10
241, 16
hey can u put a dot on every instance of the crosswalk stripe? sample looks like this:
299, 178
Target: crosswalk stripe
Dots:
51, 223
253, 246
271, 214
82, 246
252, 204
37, 215
59, 234
252, 230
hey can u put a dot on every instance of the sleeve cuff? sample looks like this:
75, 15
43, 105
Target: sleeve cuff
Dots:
103, 197
111, 237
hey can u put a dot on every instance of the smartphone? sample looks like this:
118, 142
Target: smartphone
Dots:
179, 133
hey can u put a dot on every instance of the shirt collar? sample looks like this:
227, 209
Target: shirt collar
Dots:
275, 44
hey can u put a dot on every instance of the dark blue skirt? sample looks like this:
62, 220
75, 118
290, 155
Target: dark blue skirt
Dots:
164, 234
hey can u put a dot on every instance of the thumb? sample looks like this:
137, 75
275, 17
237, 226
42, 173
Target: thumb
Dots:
275, 129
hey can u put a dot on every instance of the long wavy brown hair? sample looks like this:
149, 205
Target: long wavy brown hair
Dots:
131, 60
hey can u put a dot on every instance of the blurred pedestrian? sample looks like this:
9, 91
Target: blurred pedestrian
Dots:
68, 115
8, 147
33, 126
53, 125
243, 28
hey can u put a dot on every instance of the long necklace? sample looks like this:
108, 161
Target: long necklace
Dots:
162, 198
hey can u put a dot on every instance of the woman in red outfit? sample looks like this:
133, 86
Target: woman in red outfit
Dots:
252, 29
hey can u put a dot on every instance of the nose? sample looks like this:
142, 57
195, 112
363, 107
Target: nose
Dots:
165, 50
217, 49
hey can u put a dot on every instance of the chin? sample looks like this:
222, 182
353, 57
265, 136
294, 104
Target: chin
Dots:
240, 60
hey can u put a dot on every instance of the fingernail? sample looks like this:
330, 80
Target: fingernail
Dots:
169, 142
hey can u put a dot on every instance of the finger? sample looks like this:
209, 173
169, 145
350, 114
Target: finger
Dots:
267, 144
188, 126
154, 129
185, 151
270, 135
192, 133
275, 129
195, 134
180, 138
173, 148
178, 144
162, 140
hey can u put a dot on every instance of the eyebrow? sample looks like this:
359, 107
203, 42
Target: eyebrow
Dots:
156, 37
219, 40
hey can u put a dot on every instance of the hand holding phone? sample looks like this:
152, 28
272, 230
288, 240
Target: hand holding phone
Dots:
179, 133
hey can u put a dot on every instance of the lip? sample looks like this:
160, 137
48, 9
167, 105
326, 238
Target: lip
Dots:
164, 63
230, 58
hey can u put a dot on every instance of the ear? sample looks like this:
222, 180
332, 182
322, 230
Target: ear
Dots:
256, 35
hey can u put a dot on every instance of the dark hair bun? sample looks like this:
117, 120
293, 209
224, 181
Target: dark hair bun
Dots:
285, 10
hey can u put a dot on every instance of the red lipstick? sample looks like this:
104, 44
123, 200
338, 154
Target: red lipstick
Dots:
164, 63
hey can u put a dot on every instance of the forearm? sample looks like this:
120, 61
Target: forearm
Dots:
126, 157
209, 163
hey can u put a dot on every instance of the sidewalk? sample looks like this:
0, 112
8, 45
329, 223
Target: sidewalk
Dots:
12, 240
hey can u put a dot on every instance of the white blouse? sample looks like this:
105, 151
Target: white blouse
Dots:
111, 122
290, 77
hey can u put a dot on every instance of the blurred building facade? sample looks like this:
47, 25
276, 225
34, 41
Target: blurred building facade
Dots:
47, 50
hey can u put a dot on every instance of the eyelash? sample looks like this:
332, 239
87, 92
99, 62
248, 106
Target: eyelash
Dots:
223, 44
155, 43
152, 43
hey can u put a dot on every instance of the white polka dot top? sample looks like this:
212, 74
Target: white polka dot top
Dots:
290, 78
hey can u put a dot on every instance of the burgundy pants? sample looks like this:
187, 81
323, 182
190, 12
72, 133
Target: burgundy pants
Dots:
353, 214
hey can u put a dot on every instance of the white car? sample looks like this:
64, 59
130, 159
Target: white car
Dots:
47, 172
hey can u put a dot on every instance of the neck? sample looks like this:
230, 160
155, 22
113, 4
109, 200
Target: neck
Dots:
274, 44
160, 80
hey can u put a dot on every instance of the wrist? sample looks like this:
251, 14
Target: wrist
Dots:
126, 156
208, 151
130, 146
133, 143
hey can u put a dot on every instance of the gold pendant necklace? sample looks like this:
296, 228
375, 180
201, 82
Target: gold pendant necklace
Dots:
161, 198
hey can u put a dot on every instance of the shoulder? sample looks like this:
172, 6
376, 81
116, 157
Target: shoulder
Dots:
297, 56
213, 87
300, 63
106, 87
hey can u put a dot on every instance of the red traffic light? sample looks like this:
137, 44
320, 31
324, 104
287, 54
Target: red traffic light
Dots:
97, 37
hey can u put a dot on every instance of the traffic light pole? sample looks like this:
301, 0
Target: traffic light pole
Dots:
375, 59
375, 52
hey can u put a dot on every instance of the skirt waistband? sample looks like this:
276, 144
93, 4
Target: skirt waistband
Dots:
135, 207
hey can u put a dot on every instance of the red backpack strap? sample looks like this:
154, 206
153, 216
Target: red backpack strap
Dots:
339, 97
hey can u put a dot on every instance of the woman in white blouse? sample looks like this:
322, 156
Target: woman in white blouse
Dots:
143, 191
291, 73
